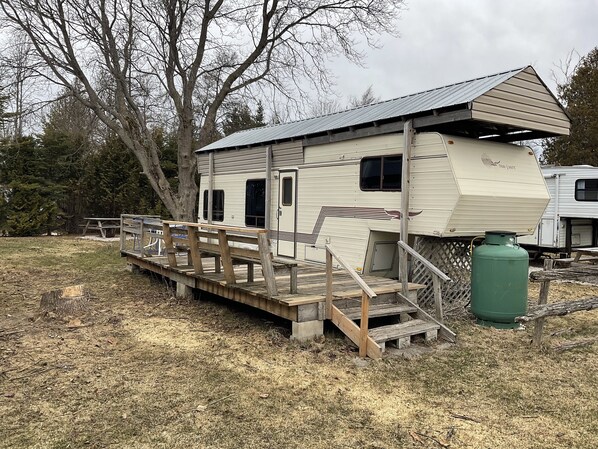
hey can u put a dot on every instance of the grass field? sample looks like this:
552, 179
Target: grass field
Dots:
145, 370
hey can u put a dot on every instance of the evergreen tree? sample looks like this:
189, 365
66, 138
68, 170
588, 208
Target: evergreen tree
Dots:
240, 117
30, 196
580, 97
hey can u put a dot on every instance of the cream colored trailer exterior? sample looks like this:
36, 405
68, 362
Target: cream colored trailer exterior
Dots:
569, 220
460, 187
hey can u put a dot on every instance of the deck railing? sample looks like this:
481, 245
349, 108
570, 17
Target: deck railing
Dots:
145, 231
227, 245
437, 276
367, 346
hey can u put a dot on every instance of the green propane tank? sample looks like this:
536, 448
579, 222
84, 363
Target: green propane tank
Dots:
499, 274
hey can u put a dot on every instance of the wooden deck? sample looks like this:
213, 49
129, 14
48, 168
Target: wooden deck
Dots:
305, 305
221, 260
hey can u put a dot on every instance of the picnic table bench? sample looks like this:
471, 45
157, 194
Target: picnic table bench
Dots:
106, 226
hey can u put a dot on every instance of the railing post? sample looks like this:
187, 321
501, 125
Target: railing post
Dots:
169, 245
328, 285
437, 297
141, 240
122, 233
543, 299
194, 251
267, 268
404, 270
227, 260
363, 325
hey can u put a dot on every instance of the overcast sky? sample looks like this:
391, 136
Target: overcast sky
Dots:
443, 42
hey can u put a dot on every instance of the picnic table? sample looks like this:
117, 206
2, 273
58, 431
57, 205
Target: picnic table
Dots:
585, 252
106, 226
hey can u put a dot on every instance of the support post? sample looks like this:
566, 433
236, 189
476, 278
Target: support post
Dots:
123, 238
293, 279
168, 245
438, 297
194, 251
266, 260
408, 134
210, 186
543, 299
183, 291
328, 285
363, 324
227, 261
141, 238
306, 330
268, 193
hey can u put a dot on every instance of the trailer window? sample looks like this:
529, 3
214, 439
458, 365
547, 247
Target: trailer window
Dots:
217, 205
287, 191
381, 173
255, 203
586, 190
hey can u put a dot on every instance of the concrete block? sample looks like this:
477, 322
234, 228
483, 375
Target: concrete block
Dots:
133, 268
403, 343
431, 335
307, 330
183, 291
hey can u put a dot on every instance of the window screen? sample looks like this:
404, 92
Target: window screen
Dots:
381, 173
287, 191
255, 203
217, 205
586, 190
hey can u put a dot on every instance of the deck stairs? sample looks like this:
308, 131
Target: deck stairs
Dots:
393, 319
376, 320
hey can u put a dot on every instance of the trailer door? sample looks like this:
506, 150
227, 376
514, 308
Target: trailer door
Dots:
547, 233
287, 213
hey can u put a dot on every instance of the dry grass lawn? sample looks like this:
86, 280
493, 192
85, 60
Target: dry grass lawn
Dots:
144, 370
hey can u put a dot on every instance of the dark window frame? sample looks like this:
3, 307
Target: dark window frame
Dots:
217, 213
593, 189
380, 187
284, 191
255, 220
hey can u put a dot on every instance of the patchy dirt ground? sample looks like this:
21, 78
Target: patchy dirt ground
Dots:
144, 370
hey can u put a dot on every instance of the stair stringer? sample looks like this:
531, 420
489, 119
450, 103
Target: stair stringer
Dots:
444, 332
352, 331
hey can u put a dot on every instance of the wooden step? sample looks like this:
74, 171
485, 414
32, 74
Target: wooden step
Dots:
404, 330
378, 310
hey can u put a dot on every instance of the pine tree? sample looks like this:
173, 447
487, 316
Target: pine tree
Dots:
580, 97
240, 117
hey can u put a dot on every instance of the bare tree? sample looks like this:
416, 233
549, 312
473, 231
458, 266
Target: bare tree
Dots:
157, 55
325, 107
19, 74
366, 98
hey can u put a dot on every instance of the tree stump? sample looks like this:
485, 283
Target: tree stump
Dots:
69, 301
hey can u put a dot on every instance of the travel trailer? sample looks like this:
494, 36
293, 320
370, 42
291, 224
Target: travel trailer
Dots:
571, 218
440, 158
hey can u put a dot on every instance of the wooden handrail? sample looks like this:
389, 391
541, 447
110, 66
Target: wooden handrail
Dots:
437, 276
429, 265
365, 287
217, 227
366, 295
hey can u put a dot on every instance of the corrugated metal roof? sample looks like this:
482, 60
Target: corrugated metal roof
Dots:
429, 100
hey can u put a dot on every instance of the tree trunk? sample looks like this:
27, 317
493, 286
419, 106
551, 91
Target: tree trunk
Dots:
69, 301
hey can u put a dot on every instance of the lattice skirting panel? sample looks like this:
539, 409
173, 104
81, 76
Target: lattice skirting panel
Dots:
453, 258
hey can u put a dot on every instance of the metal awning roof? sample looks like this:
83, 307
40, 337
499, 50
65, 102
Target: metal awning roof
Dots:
445, 102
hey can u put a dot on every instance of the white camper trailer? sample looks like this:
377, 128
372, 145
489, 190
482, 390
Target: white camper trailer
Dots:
349, 194
571, 218
341, 178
